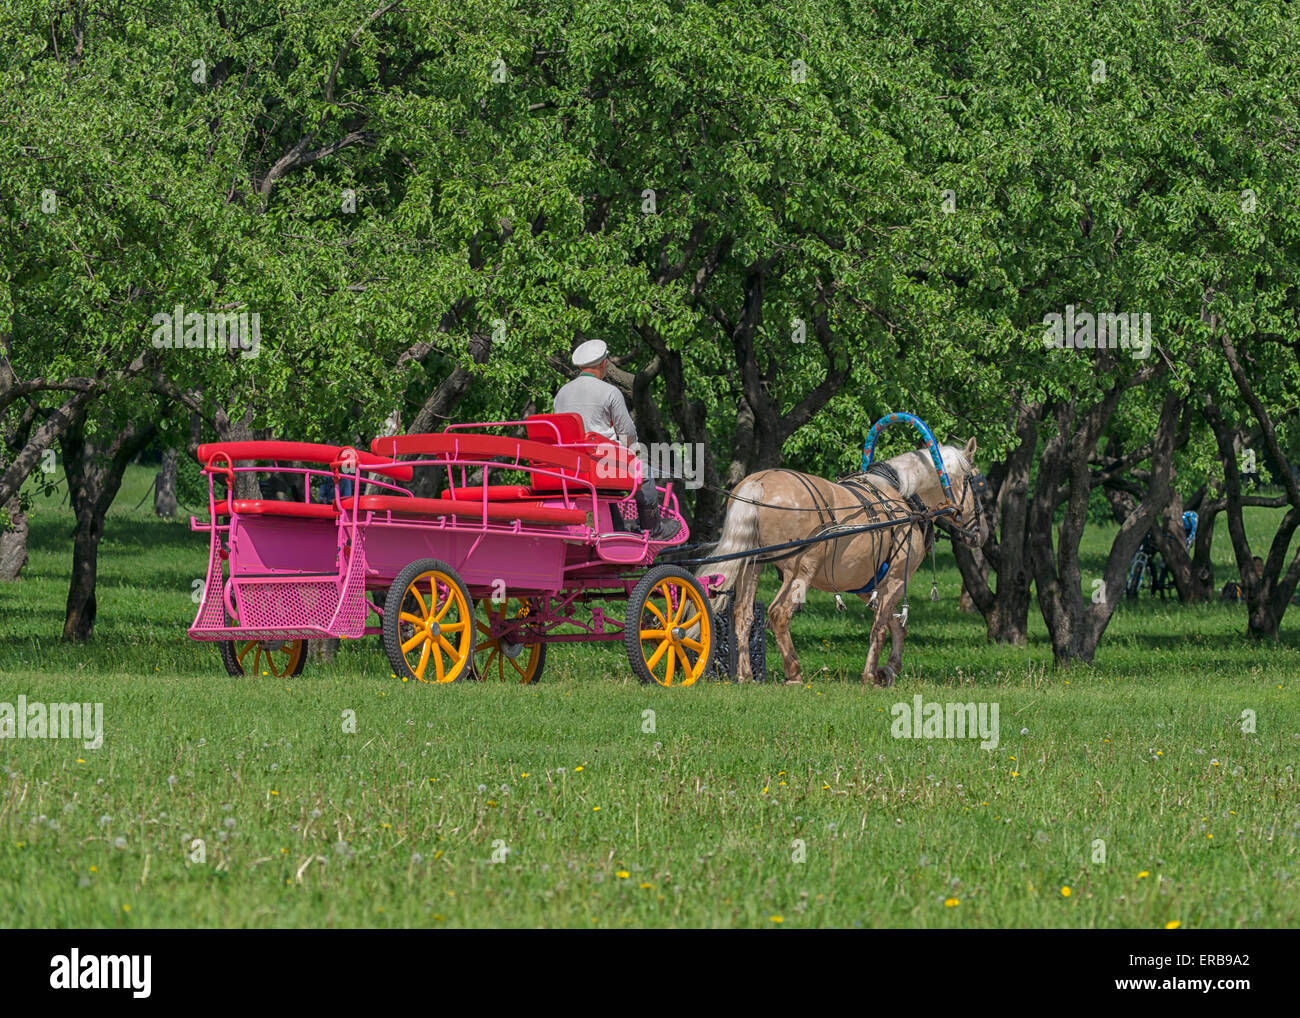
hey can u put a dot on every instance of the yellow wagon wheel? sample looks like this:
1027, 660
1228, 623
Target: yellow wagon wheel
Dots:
429, 623
277, 658
669, 628
500, 658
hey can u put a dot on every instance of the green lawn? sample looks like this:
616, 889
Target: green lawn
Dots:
699, 822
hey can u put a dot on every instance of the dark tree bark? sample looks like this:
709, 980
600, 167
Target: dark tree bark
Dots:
1074, 620
1268, 593
1006, 552
94, 471
164, 486
13, 544
246, 483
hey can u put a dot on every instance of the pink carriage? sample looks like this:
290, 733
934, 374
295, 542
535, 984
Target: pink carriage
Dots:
533, 531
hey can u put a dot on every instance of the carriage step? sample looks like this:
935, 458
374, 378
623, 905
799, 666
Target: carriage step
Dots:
622, 547
253, 633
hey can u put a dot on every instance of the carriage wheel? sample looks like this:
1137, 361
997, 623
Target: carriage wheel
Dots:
429, 623
280, 658
499, 658
669, 628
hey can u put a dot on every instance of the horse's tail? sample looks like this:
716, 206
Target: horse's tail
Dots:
739, 533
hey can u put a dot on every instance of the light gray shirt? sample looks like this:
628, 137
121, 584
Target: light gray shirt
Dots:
601, 406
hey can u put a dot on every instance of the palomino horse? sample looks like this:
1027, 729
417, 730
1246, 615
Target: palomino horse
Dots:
773, 507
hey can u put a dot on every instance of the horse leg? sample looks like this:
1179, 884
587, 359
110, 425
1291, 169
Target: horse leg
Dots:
891, 592
875, 641
783, 607
896, 649
742, 612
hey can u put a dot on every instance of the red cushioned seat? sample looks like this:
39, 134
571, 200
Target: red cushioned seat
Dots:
298, 452
272, 507
495, 492
569, 427
530, 512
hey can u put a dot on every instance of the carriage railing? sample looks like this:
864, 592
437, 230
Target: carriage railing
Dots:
221, 465
591, 448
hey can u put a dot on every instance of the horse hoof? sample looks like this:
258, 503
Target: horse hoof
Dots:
885, 676
794, 682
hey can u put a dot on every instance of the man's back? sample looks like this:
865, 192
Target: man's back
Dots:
600, 405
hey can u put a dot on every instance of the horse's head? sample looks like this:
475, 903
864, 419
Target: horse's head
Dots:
968, 487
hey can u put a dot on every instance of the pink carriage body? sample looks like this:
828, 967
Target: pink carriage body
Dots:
309, 570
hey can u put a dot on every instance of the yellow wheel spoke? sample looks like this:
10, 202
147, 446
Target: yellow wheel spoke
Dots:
445, 644
424, 610
663, 620
672, 658
654, 634
694, 645
436, 651
681, 607
418, 637
408, 617
452, 627
691, 621
424, 659
658, 654
686, 664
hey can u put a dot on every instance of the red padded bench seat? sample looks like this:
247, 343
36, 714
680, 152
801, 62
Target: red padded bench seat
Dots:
528, 512
273, 507
495, 492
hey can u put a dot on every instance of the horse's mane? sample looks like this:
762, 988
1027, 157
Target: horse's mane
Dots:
916, 473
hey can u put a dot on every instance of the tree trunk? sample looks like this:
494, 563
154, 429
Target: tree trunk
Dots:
322, 650
1075, 622
94, 473
164, 487
246, 485
1006, 552
13, 544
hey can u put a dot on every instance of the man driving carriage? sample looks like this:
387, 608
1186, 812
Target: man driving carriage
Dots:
603, 412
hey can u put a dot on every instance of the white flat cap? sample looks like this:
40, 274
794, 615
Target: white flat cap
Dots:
589, 353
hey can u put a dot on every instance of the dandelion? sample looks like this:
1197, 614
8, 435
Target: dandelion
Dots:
595, 809
577, 769
1144, 874
776, 918
1065, 892
1173, 924
524, 774
951, 902
622, 874
646, 887
482, 788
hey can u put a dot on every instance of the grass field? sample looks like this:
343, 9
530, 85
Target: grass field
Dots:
601, 823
